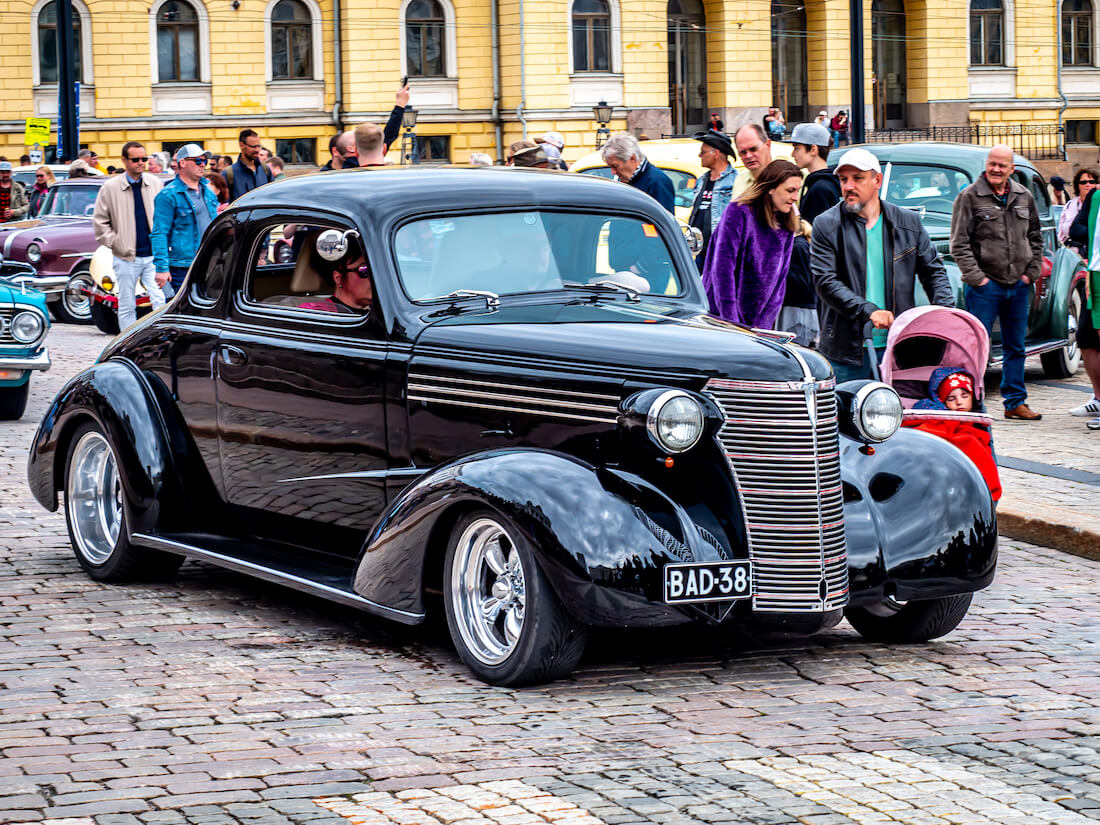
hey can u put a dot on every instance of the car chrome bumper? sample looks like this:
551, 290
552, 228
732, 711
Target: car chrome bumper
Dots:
48, 284
40, 361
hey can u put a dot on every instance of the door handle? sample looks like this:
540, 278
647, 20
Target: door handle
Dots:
232, 356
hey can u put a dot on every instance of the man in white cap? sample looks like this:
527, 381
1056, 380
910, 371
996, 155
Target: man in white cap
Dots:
552, 144
865, 257
184, 208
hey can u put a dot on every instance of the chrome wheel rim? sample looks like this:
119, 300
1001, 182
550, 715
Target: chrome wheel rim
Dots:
94, 498
77, 301
1072, 353
488, 591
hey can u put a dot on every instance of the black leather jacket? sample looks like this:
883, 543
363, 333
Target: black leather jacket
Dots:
838, 261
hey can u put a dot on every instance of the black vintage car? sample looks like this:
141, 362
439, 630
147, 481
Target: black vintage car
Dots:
535, 428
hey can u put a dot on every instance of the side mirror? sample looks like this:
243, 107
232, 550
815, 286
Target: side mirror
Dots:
332, 243
694, 238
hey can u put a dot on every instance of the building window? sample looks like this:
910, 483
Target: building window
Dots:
591, 36
291, 41
424, 39
1077, 33
433, 149
1081, 131
986, 33
47, 43
296, 150
177, 42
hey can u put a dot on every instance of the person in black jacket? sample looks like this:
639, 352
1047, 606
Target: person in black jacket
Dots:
865, 257
820, 189
623, 154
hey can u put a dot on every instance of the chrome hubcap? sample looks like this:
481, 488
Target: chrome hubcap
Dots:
488, 591
94, 498
1071, 326
76, 299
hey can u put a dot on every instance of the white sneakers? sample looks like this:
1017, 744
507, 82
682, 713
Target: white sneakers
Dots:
1094, 424
1087, 410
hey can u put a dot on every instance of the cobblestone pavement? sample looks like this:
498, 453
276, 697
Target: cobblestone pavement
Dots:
218, 700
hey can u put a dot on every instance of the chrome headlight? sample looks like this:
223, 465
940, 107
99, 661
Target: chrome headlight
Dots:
27, 326
675, 421
34, 253
876, 411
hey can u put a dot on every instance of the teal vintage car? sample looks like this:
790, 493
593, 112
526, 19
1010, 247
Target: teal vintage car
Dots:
927, 177
23, 327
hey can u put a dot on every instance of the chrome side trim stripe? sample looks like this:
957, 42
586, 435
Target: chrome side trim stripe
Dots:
611, 419
276, 576
496, 385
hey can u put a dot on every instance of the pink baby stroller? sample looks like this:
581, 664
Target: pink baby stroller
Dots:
922, 342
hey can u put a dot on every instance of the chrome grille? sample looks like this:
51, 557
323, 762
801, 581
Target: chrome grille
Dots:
782, 442
517, 398
6, 314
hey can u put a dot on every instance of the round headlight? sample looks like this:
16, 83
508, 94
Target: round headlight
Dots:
675, 421
34, 253
108, 283
27, 326
876, 412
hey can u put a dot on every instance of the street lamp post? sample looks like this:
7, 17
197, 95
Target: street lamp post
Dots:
408, 140
602, 112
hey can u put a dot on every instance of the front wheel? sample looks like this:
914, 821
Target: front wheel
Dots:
13, 401
504, 619
95, 513
1064, 362
75, 304
105, 318
909, 622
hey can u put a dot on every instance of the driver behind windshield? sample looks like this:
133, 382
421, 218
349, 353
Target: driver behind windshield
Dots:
353, 290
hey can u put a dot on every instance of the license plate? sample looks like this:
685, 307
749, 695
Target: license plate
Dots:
707, 581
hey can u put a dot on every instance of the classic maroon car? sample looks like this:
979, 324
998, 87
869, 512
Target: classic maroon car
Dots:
59, 244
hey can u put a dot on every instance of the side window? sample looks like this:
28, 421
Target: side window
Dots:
211, 269
1042, 197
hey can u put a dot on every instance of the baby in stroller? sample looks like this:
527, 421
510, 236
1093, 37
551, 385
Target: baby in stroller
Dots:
934, 359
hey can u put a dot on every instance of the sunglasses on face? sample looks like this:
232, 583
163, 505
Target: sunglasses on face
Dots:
142, 159
198, 161
43, 177
1086, 182
362, 271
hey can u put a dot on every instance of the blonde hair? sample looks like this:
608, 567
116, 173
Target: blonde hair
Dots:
368, 138
50, 179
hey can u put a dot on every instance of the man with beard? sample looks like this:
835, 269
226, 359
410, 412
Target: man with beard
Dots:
864, 257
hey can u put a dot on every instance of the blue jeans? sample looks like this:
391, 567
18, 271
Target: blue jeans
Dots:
848, 372
1009, 303
128, 273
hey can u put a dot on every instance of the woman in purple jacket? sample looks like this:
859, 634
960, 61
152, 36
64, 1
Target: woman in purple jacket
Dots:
745, 275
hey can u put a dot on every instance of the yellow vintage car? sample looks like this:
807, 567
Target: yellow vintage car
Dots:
676, 157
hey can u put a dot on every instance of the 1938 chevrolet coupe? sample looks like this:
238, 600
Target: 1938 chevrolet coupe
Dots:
536, 425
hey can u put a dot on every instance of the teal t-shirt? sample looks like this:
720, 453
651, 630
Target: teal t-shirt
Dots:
875, 289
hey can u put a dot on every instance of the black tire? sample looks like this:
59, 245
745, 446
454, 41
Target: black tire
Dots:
102, 545
1064, 362
13, 401
105, 318
74, 306
911, 622
549, 642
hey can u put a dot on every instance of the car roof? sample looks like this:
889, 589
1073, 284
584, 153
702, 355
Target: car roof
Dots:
53, 167
95, 180
966, 156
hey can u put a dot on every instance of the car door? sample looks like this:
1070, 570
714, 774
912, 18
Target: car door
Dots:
1039, 309
301, 418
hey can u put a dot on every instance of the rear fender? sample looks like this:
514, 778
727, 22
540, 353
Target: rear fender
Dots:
116, 396
1067, 274
588, 527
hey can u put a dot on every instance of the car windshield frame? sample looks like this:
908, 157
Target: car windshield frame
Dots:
56, 193
649, 232
920, 204
684, 195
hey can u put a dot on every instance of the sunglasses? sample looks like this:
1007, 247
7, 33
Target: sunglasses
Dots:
1086, 182
362, 271
142, 159
41, 176
197, 161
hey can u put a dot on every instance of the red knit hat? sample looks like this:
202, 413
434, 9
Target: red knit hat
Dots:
954, 381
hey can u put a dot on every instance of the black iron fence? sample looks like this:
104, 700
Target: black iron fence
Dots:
1038, 142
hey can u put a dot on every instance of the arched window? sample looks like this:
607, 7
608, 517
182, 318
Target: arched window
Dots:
591, 36
425, 44
47, 43
291, 41
177, 42
987, 33
1077, 33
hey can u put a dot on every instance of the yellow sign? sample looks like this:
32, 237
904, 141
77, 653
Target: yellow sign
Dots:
38, 131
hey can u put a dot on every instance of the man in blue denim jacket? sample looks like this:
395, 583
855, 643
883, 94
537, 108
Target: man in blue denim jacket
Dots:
182, 211
714, 190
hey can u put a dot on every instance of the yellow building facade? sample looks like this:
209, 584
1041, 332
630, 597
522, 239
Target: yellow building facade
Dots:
485, 73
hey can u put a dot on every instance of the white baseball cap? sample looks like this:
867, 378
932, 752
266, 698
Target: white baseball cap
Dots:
860, 159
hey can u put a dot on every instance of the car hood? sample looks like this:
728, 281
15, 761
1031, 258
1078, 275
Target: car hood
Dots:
631, 339
9, 232
937, 225
12, 294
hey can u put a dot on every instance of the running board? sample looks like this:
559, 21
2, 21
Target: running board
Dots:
271, 574
1035, 349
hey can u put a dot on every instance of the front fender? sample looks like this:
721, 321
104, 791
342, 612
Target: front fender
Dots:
919, 520
115, 395
586, 525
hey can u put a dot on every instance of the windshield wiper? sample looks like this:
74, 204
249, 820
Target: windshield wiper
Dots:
606, 285
492, 300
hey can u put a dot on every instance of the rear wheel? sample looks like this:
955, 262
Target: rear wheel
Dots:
504, 619
105, 318
13, 401
909, 622
95, 512
1064, 362
75, 305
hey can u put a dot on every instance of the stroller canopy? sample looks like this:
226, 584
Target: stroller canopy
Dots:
924, 338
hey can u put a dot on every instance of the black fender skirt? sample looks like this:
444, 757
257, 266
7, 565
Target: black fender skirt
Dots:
919, 520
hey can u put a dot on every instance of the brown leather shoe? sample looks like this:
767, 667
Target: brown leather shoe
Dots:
1023, 413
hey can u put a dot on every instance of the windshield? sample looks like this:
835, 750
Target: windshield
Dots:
70, 200
514, 252
682, 182
934, 188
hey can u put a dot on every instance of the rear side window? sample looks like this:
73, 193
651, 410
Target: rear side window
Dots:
210, 272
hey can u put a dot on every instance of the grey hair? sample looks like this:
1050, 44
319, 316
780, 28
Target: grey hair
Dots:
622, 146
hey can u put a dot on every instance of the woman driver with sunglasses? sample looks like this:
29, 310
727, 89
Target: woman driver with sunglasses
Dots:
353, 293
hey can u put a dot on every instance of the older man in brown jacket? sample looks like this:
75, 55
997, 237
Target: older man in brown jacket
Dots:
122, 219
